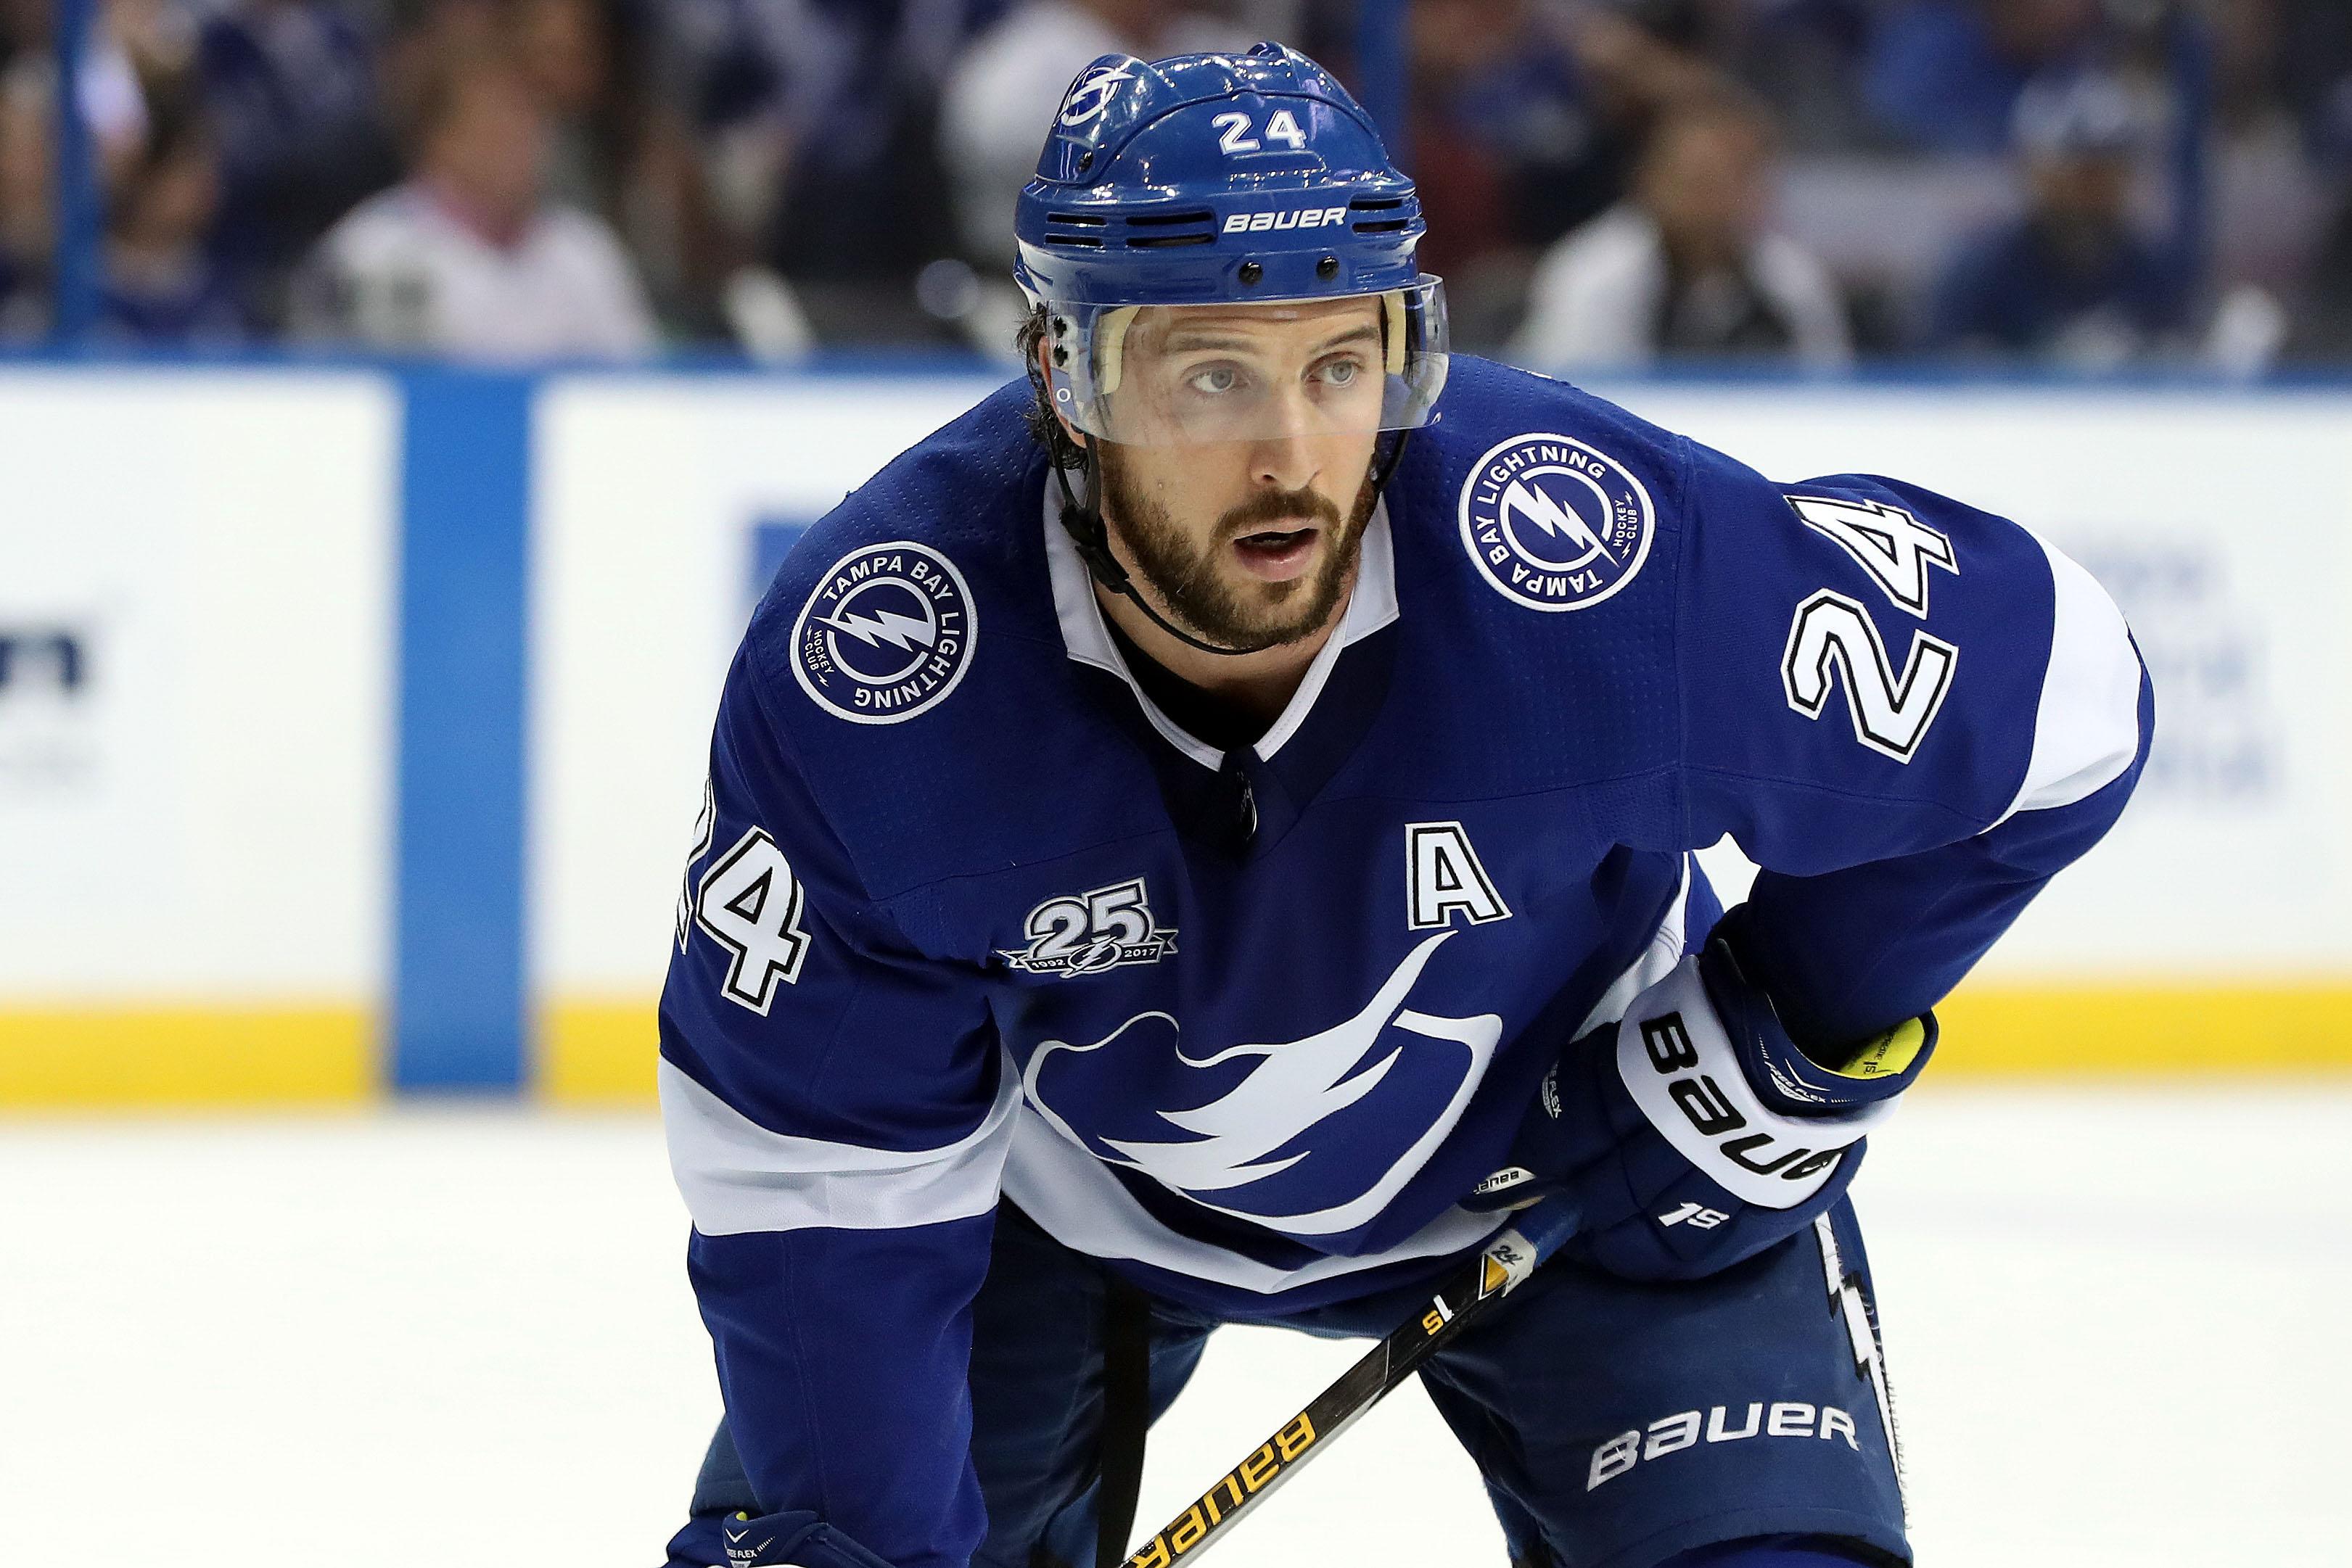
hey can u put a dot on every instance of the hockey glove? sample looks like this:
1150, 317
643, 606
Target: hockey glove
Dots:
799, 1538
1695, 1133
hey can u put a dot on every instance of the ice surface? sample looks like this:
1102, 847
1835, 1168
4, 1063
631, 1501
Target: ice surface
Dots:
2116, 1319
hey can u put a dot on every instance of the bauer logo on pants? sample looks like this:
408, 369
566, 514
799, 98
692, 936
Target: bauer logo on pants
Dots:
1721, 1423
887, 633
1553, 524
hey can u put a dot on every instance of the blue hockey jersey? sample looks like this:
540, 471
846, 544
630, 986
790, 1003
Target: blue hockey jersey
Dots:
970, 916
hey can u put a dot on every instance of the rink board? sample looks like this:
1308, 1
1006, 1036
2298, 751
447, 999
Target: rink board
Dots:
213, 1054
394, 690
196, 593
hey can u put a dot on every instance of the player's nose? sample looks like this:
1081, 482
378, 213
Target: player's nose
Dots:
1287, 464
1283, 456
1285, 460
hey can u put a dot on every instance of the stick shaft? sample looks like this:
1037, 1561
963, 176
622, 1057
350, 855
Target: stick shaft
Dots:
1505, 1261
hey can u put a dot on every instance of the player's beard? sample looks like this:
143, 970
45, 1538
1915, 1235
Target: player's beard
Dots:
1212, 597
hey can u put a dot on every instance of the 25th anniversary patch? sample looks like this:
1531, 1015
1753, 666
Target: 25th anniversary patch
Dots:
1554, 524
887, 633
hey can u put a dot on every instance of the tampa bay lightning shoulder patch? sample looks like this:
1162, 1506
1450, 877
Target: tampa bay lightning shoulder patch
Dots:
1554, 524
885, 634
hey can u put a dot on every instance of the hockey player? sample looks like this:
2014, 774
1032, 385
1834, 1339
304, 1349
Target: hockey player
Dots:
1194, 838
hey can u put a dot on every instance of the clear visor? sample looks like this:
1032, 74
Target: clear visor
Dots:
1183, 375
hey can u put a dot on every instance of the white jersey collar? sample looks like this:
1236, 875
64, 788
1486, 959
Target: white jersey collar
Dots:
1371, 606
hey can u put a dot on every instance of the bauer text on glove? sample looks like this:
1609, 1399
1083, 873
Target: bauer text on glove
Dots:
1695, 1133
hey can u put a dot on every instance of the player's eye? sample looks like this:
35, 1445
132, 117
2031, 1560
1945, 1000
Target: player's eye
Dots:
1340, 372
1214, 381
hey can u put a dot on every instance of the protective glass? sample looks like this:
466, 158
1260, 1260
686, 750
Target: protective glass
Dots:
1185, 375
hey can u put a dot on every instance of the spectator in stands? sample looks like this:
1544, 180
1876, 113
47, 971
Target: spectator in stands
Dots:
467, 256
2323, 334
1946, 75
819, 123
290, 87
2316, 61
622, 148
821, 120
1688, 266
25, 158
2073, 279
1509, 135
113, 103
2314, 67
1003, 90
1526, 121
1805, 58
163, 284
998, 97
2268, 202
753, 76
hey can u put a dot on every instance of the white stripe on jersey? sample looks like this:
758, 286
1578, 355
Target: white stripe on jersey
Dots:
738, 1177
2086, 730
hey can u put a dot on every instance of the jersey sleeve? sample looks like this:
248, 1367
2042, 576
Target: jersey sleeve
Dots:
1909, 712
837, 1122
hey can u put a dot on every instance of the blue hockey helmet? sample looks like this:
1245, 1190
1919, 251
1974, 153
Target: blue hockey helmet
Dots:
1210, 181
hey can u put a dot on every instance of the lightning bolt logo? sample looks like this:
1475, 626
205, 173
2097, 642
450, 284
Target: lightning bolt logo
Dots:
1847, 1301
1260, 1126
1092, 96
902, 596
904, 632
1554, 523
1554, 520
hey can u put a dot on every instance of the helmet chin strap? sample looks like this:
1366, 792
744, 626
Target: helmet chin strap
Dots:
1083, 521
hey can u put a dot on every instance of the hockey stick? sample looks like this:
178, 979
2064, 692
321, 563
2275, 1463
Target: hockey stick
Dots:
1535, 1234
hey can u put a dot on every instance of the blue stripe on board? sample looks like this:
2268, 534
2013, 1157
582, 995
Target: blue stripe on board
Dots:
457, 1003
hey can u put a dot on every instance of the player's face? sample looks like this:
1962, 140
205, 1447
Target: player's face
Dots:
1245, 504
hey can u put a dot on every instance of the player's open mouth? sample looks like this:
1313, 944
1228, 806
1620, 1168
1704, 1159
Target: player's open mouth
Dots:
1277, 555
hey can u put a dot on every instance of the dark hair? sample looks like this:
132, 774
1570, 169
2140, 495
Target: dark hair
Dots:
1044, 423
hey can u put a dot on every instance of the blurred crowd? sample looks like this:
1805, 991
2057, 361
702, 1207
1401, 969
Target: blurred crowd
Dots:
1609, 184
